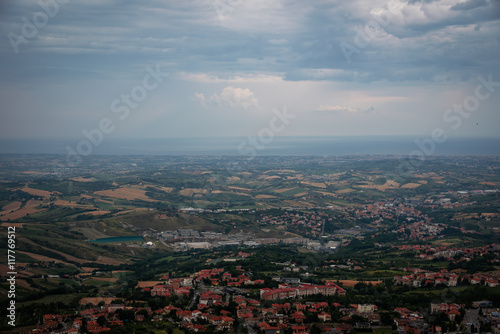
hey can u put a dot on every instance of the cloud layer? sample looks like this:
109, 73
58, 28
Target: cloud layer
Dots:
374, 67
237, 98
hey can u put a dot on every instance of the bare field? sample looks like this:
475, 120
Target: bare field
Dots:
282, 190
264, 196
105, 201
16, 225
410, 185
389, 184
161, 188
273, 177
350, 283
83, 179
11, 206
29, 209
430, 175
121, 271
489, 183
36, 192
125, 193
106, 279
165, 189
344, 191
240, 189
314, 184
61, 202
464, 216
148, 284
236, 193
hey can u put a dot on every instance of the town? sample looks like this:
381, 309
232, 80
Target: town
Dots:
179, 245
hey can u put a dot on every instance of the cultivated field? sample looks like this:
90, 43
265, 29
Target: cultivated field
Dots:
61, 202
125, 193
282, 190
29, 208
314, 184
97, 213
36, 192
83, 179
389, 184
350, 283
264, 196
191, 191
240, 189
96, 300
410, 185
11, 207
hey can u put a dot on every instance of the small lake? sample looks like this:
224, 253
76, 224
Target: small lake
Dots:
116, 239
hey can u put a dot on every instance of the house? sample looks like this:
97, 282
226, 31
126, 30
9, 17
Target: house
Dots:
299, 306
491, 283
161, 290
276, 319
52, 320
298, 317
94, 327
324, 317
452, 314
362, 325
366, 308
438, 306
475, 280
300, 329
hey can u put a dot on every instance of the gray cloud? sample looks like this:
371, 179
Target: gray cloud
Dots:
93, 51
468, 5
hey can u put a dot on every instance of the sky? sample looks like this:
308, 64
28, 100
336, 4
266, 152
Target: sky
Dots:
116, 69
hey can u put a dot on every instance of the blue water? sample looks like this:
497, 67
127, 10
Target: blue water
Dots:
117, 239
278, 146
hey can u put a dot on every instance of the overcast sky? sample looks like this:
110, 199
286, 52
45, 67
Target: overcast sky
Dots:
357, 67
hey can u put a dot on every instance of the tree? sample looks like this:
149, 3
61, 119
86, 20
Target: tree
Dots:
102, 320
315, 329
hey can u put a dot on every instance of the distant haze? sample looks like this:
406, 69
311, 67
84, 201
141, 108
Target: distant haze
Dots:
291, 146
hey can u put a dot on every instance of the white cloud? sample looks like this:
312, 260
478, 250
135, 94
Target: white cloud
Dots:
233, 79
200, 97
330, 108
347, 110
236, 98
